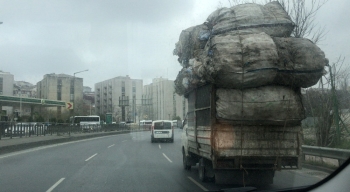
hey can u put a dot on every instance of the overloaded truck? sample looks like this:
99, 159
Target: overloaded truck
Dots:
242, 74
250, 145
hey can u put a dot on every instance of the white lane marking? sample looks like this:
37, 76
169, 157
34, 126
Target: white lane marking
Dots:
198, 184
91, 157
160, 146
50, 146
55, 185
124, 140
110, 146
167, 158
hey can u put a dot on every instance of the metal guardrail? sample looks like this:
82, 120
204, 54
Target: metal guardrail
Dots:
340, 154
13, 129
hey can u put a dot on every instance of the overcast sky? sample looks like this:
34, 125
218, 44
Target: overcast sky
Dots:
119, 37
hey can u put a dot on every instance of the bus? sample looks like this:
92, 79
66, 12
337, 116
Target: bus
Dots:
87, 123
145, 124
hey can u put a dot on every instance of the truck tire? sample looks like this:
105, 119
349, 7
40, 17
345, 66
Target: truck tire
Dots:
201, 171
184, 161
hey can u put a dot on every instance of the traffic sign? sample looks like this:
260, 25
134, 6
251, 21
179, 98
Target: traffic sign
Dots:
69, 105
108, 118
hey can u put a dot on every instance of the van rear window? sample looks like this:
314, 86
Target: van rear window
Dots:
162, 125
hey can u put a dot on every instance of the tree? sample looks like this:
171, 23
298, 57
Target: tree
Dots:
39, 119
177, 118
326, 104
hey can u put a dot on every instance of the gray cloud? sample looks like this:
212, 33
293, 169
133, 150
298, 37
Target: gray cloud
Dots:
113, 38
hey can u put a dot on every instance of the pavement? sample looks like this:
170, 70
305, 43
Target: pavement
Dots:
123, 162
25, 142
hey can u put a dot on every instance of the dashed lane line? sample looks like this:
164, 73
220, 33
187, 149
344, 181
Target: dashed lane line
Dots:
166, 157
160, 146
110, 146
91, 157
55, 185
198, 184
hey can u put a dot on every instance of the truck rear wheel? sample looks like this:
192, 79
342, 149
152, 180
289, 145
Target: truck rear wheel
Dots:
201, 171
184, 161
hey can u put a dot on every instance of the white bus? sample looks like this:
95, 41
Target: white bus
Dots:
145, 124
87, 123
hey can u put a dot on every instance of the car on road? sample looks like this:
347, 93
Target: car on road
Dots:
162, 130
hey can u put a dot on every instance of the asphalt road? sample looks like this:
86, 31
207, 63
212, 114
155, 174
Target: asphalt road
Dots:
125, 162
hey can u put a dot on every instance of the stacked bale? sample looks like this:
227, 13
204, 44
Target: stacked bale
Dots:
246, 51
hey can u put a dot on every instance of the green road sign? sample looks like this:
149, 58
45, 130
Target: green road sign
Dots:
108, 118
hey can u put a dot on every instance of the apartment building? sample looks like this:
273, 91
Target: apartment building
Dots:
160, 101
120, 96
6, 83
6, 88
61, 87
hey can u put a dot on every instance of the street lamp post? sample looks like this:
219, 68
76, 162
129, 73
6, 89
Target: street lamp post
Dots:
20, 101
73, 96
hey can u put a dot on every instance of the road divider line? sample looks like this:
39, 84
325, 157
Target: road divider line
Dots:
166, 157
91, 157
198, 184
110, 146
160, 146
55, 185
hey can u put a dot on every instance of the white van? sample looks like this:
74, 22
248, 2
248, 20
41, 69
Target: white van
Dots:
162, 130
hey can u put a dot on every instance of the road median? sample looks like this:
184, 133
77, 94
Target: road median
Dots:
8, 145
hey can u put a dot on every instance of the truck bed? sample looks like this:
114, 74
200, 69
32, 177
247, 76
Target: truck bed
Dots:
251, 146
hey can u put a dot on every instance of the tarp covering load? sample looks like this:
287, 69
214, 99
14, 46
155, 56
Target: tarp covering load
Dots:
191, 43
247, 46
301, 62
185, 80
242, 19
230, 55
264, 60
252, 18
267, 105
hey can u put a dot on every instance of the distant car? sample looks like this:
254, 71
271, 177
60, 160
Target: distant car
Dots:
162, 130
122, 124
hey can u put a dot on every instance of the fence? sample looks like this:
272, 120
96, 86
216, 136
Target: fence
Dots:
28, 129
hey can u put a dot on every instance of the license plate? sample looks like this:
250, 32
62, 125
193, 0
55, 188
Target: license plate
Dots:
161, 132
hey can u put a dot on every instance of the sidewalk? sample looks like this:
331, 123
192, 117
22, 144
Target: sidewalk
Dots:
16, 143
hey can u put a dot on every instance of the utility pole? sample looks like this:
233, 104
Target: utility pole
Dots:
335, 108
123, 102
